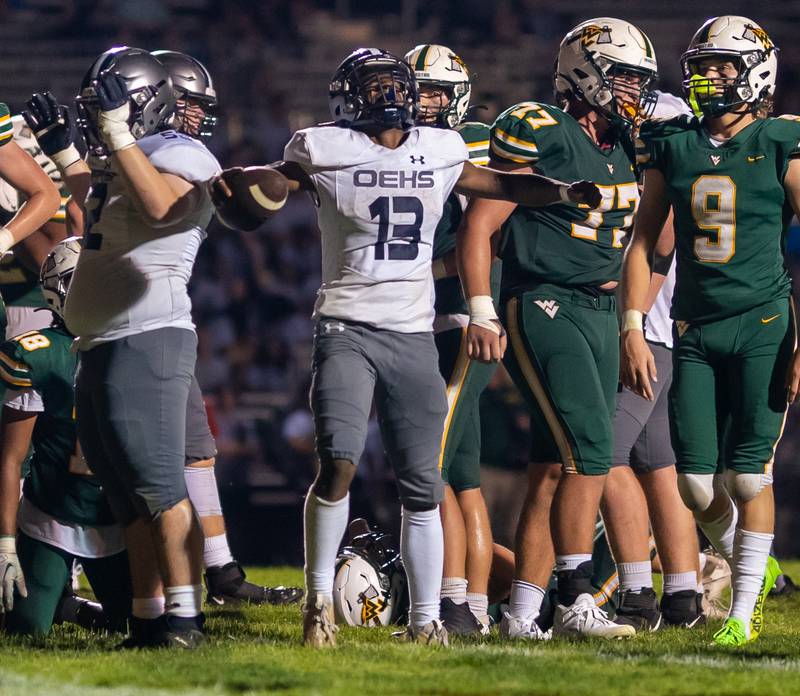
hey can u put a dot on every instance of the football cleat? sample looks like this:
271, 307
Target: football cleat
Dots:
143, 634
227, 585
683, 609
733, 633
771, 573
183, 633
432, 633
458, 619
518, 628
640, 610
319, 627
585, 619
716, 578
784, 587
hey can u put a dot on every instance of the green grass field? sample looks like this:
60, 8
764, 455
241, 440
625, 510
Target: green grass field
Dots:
257, 651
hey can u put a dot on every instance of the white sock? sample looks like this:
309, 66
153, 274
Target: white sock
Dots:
750, 553
526, 599
720, 532
216, 551
325, 523
680, 582
183, 600
147, 607
571, 561
455, 589
478, 604
422, 549
635, 576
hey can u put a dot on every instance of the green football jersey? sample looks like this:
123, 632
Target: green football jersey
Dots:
59, 483
449, 295
19, 286
6, 127
731, 212
564, 243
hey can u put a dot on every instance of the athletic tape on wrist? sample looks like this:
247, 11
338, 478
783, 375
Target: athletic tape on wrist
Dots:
632, 320
8, 544
114, 128
6, 240
66, 158
482, 313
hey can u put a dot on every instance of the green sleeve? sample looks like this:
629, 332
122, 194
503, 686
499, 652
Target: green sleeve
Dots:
520, 134
476, 138
15, 373
6, 127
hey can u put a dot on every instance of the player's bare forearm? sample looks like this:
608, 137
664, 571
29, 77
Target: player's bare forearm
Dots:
22, 172
663, 256
78, 178
33, 250
163, 199
532, 190
16, 429
474, 243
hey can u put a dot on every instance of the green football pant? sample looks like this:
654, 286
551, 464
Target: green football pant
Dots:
47, 571
729, 378
460, 457
563, 355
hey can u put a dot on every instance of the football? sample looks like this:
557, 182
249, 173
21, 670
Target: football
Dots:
245, 197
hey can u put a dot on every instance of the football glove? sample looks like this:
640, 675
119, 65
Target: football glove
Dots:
11, 577
115, 110
54, 127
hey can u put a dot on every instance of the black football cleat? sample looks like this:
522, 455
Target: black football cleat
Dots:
784, 587
458, 619
683, 609
143, 634
227, 585
639, 609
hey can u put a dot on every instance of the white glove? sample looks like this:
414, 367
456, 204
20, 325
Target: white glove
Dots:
114, 129
11, 576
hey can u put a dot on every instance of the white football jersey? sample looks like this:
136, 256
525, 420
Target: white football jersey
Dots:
377, 211
131, 277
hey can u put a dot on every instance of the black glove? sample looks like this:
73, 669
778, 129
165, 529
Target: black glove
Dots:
111, 90
51, 123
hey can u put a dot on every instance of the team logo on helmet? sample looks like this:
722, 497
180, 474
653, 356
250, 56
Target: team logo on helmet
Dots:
371, 610
594, 34
754, 33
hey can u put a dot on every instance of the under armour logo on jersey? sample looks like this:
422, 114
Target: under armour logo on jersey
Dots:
549, 307
610, 167
417, 159
715, 159
331, 326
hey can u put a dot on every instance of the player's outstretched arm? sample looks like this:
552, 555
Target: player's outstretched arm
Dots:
637, 365
532, 190
20, 170
54, 128
16, 429
791, 184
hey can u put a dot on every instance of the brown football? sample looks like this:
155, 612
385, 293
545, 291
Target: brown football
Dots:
256, 193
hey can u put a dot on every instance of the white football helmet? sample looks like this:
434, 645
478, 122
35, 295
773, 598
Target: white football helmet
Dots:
369, 588
750, 48
595, 54
57, 272
440, 67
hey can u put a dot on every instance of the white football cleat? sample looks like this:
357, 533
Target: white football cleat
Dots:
519, 628
319, 626
585, 618
432, 633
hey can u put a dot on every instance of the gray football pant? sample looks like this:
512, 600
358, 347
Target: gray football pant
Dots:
352, 363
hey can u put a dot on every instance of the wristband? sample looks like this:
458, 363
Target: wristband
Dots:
632, 320
8, 544
438, 269
563, 193
6, 240
66, 157
481, 313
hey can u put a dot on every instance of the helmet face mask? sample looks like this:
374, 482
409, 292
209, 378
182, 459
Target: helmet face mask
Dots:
194, 91
152, 100
439, 71
56, 273
373, 90
610, 65
753, 56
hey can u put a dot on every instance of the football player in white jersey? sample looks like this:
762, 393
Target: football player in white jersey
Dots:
380, 184
129, 307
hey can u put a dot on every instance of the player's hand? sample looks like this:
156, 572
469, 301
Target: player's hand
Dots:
637, 364
484, 344
52, 123
584, 192
793, 378
219, 186
115, 110
11, 577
